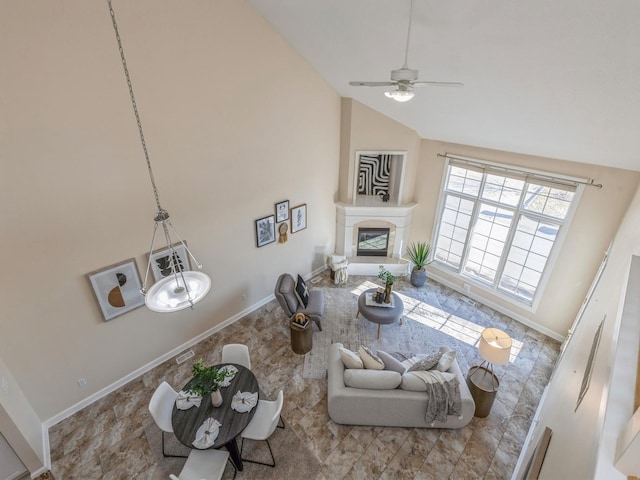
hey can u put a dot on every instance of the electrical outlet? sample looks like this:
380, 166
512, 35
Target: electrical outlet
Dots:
5, 385
466, 288
82, 383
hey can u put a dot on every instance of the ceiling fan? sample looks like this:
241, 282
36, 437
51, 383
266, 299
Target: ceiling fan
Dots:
405, 78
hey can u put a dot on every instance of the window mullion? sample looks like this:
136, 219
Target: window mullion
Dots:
474, 218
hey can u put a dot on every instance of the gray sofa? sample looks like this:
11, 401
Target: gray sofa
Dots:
390, 408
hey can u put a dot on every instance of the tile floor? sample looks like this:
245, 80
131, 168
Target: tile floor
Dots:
115, 445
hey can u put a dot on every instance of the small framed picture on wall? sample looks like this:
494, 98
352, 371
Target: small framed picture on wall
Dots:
282, 211
299, 218
265, 230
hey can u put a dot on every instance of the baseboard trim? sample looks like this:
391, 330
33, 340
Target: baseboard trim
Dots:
499, 308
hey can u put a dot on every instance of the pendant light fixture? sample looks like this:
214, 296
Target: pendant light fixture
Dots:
180, 289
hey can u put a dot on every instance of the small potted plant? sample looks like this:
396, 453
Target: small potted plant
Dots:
388, 278
418, 253
207, 380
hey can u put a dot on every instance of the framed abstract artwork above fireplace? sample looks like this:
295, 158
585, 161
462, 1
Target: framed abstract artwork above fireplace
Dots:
378, 176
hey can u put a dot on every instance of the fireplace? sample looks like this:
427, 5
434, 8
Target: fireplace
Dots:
372, 242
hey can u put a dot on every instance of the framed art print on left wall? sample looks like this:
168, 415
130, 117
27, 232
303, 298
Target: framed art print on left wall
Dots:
117, 288
265, 231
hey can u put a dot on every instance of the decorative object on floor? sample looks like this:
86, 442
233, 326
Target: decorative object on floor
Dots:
204, 465
418, 253
160, 407
301, 335
494, 348
161, 264
282, 231
382, 314
299, 218
207, 380
117, 288
262, 426
339, 269
388, 278
282, 211
285, 294
181, 289
265, 231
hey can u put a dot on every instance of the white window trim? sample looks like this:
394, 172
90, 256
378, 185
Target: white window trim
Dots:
557, 246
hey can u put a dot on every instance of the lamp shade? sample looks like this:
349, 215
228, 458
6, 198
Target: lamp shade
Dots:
400, 95
495, 346
169, 294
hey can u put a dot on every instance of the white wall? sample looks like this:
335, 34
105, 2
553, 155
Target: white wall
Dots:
235, 121
578, 440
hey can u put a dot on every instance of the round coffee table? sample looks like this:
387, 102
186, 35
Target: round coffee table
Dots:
382, 314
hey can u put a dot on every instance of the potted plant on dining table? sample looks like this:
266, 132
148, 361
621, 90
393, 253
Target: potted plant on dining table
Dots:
207, 380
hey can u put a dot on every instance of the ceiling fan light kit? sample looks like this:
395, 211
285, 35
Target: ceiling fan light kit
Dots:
405, 78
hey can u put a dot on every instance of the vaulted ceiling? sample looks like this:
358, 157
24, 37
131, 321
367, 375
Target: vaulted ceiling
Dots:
559, 79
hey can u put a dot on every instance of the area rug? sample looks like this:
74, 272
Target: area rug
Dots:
422, 312
293, 458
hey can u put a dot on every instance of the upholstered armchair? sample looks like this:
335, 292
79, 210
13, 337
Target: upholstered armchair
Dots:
285, 292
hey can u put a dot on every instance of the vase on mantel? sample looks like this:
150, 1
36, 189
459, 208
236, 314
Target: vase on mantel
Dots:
216, 398
387, 293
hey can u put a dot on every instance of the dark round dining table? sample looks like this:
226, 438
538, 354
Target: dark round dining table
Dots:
186, 422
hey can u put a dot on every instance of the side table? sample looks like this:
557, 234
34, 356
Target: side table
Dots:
483, 385
301, 337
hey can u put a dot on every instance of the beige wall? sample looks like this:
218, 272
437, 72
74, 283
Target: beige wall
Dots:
366, 129
594, 224
229, 133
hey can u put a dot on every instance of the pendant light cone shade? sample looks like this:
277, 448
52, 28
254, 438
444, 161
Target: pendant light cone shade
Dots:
171, 295
495, 346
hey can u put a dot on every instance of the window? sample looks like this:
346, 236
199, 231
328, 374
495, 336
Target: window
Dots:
500, 227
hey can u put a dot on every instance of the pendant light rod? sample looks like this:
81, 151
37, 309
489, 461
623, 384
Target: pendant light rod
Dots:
135, 109
406, 50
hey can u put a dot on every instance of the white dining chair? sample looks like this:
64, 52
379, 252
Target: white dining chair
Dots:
236, 353
263, 424
160, 407
205, 465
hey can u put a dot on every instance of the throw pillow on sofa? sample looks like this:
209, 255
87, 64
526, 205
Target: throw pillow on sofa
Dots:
391, 362
425, 363
446, 360
350, 359
372, 379
411, 381
369, 359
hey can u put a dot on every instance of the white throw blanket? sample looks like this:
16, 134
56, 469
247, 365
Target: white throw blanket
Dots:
443, 395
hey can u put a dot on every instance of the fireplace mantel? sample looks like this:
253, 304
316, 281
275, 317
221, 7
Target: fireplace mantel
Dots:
367, 213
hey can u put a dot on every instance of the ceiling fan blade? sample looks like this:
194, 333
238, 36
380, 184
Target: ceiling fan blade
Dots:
372, 84
437, 84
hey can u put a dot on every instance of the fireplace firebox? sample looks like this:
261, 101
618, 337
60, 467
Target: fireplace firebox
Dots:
373, 242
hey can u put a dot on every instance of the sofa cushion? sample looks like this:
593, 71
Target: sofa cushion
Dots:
411, 381
302, 292
369, 359
446, 360
425, 363
372, 379
350, 359
391, 363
